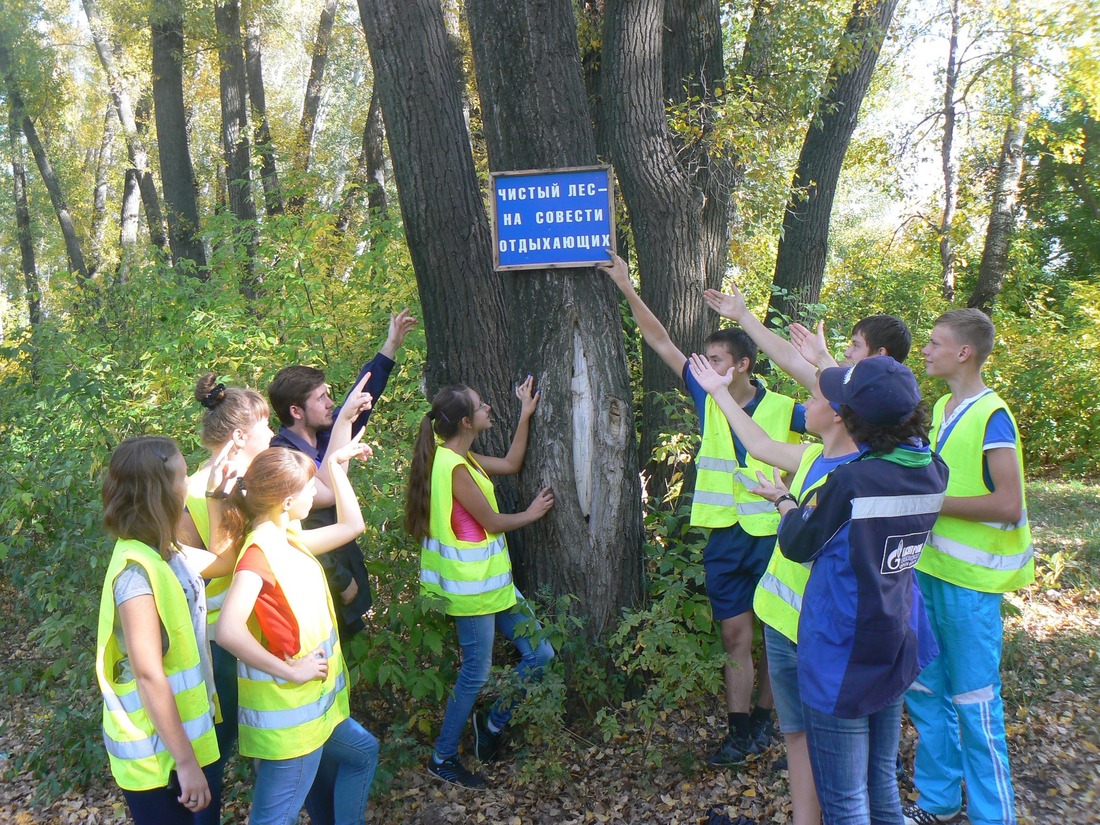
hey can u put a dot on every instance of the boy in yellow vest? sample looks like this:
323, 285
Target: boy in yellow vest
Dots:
742, 525
980, 548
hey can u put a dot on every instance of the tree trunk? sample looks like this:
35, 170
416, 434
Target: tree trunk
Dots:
176, 170
1002, 216
678, 217
235, 146
254, 73
447, 230
31, 286
135, 146
947, 160
99, 200
312, 103
800, 261
536, 116
370, 171
128, 221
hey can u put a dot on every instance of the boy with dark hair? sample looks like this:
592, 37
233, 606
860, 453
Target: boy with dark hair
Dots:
300, 397
742, 525
980, 549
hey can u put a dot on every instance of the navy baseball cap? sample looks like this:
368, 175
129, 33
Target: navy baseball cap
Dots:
879, 389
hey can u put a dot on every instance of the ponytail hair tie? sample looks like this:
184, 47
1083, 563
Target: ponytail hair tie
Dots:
431, 415
214, 397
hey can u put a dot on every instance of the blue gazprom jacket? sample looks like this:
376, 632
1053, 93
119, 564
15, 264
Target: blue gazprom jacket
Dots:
863, 635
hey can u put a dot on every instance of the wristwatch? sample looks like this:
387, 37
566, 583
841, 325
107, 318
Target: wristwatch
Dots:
217, 494
784, 497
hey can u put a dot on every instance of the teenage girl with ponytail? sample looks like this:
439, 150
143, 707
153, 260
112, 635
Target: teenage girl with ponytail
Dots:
452, 509
278, 620
152, 659
235, 424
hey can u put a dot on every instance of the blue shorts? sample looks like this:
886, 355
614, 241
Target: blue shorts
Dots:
783, 671
734, 562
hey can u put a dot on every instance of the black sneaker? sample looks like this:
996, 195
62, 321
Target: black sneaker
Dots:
486, 743
763, 731
734, 751
452, 771
916, 815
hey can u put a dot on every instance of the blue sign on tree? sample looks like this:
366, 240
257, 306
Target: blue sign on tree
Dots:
552, 218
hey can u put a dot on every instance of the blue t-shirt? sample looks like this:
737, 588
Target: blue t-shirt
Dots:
699, 397
822, 466
999, 433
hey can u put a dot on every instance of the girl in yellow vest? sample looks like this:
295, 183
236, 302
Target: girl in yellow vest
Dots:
235, 422
452, 509
152, 660
278, 620
778, 598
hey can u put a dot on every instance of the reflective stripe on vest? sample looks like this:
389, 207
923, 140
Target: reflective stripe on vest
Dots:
471, 578
869, 507
723, 494
777, 600
139, 760
984, 556
280, 719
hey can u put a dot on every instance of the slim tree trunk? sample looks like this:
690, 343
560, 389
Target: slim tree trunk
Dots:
135, 146
176, 170
31, 286
370, 171
128, 222
1002, 217
312, 103
235, 146
265, 148
947, 159
536, 116
447, 230
800, 261
99, 201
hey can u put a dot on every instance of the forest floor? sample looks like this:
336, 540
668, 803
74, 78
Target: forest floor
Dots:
1052, 706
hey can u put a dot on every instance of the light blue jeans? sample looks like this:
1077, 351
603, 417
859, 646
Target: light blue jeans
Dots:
475, 637
332, 781
853, 762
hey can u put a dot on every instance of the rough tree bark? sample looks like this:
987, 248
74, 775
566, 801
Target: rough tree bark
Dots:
370, 171
265, 148
465, 319
128, 223
32, 288
1002, 216
800, 261
135, 146
303, 146
104, 159
177, 173
235, 144
678, 209
535, 115
947, 158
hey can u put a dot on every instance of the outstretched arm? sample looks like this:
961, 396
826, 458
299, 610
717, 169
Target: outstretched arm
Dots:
757, 442
349, 516
469, 495
653, 331
781, 352
513, 461
358, 402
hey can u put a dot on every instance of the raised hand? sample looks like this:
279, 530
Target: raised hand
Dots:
223, 474
616, 270
358, 400
811, 346
353, 449
770, 489
730, 306
542, 503
528, 396
705, 374
401, 325
311, 666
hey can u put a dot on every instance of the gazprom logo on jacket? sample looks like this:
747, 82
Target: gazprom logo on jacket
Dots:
902, 552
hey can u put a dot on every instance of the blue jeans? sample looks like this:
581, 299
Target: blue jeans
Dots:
225, 683
349, 756
783, 673
853, 762
475, 637
161, 807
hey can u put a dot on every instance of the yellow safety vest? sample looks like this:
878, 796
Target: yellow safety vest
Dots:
777, 600
979, 555
473, 577
722, 496
198, 507
139, 759
279, 719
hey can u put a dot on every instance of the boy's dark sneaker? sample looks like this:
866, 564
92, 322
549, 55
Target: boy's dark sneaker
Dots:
734, 751
916, 815
453, 771
486, 743
763, 731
